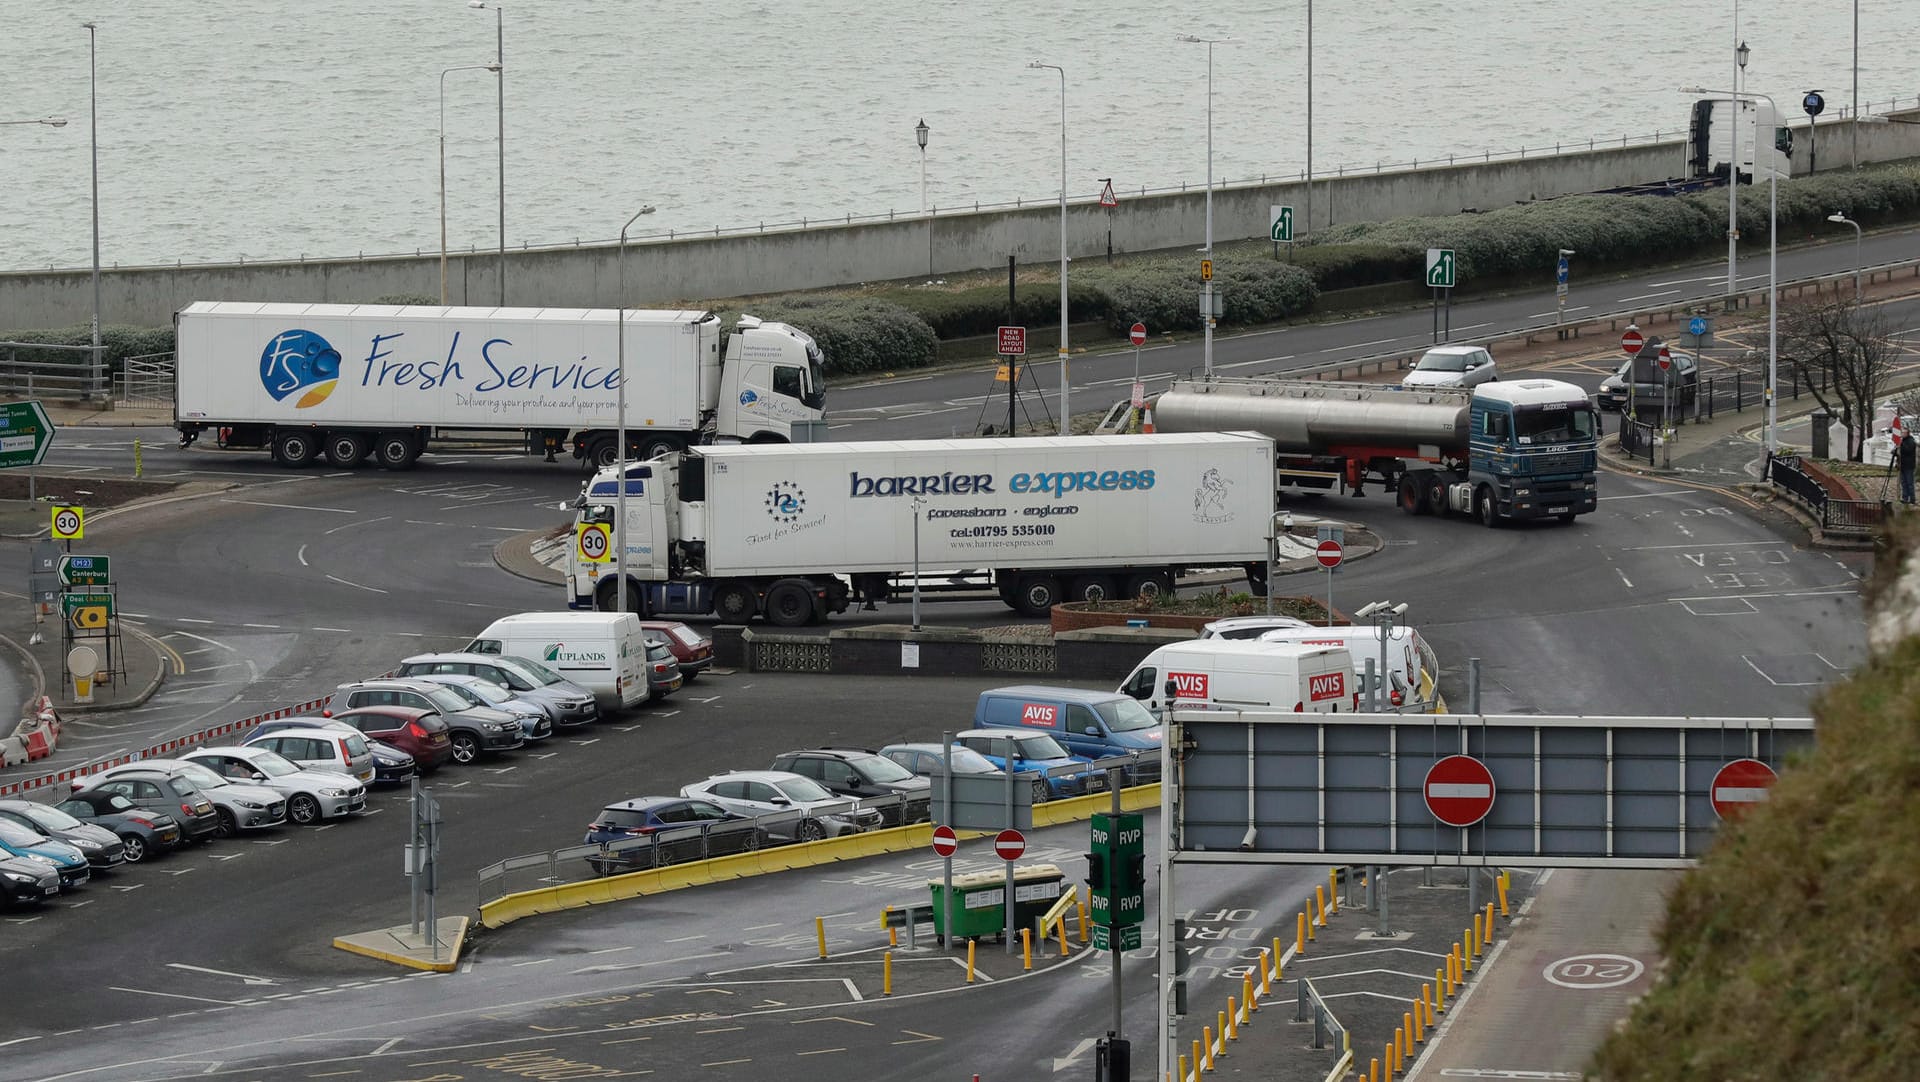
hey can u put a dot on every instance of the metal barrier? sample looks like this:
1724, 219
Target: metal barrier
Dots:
82, 379
147, 380
1325, 1024
1637, 438
1835, 515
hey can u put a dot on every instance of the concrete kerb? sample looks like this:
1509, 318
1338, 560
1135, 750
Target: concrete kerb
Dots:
200, 489
402, 947
514, 555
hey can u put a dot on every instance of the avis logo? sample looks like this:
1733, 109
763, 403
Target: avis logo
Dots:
1038, 714
785, 501
1328, 685
299, 361
1189, 685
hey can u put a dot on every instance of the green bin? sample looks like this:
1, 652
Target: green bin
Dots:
979, 905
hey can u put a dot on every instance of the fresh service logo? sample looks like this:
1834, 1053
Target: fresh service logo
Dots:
299, 361
748, 398
785, 501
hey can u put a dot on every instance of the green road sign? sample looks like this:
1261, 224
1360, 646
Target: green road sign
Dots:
1129, 937
84, 570
1282, 223
25, 433
87, 612
1117, 879
1440, 269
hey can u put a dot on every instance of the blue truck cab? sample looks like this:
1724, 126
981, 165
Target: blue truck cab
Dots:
1532, 451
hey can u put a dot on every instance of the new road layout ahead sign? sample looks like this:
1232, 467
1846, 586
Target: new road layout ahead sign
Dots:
25, 434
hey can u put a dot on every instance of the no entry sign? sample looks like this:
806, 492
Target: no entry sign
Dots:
1459, 790
1009, 844
945, 841
1329, 553
1138, 334
1739, 785
1632, 341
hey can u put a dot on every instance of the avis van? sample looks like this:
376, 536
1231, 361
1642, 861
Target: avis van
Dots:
604, 652
1235, 674
1402, 656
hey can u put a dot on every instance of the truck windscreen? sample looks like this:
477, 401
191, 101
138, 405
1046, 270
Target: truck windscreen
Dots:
1553, 424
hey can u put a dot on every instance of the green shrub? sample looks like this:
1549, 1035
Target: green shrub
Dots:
117, 343
406, 298
1165, 295
980, 310
857, 334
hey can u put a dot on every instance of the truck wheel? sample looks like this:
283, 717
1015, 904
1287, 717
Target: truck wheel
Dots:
790, 604
1413, 498
1436, 494
1567, 517
1152, 585
604, 453
295, 449
1091, 588
396, 450
734, 602
346, 449
606, 596
1038, 595
1486, 508
655, 446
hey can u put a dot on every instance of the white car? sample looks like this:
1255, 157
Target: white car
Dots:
240, 807
1453, 366
1249, 627
311, 795
790, 806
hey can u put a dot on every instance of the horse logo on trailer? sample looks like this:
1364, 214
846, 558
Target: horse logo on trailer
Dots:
1210, 498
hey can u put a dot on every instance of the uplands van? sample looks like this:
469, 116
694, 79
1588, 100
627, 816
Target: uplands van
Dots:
1403, 666
1237, 674
604, 652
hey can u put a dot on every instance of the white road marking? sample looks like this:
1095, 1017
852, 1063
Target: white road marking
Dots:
1241, 364
341, 630
355, 585
1624, 578
1359, 345
302, 554
177, 995
295, 507
1649, 296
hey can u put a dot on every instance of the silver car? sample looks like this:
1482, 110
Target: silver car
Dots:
312, 795
240, 807
1452, 366
566, 702
534, 722
473, 729
789, 806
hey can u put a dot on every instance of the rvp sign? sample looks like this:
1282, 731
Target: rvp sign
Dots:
1189, 685
1327, 685
1040, 714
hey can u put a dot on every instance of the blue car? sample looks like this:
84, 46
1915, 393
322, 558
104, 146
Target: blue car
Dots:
19, 841
1034, 753
698, 829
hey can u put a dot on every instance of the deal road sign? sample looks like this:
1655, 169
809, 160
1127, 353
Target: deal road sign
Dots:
1440, 268
1632, 341
1739, 785
1459, 790
69, 523
945, 841
1129, 937
1009, 844
84, 570
1329, 553
593, 542
25, 434
1013, 341
1137, 334
87, 612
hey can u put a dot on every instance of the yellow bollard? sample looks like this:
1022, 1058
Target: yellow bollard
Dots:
1206, 1048
1026, 948
137, 470
1466, 956
971, 944
1421, 1021
1080, 914
1386, 1062
1230, 1024
1406, 1034
1373, 1070
820, 930
1500, 884
1394, 1067
1246, 993
886, 912
1300, 934
886, 974
1320, 903
1266, 972
1333, 887
1309, 917
1062, 929
1182, 1076
1431, 993
1489, 922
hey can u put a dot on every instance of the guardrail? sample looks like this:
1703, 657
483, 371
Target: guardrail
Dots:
1309, 1005
1835, 515
85, 379
147, 380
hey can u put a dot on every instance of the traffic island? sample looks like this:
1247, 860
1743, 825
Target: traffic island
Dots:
403, 946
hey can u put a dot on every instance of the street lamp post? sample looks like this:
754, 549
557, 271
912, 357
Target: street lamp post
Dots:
93, 139
500, 72
1066, 414
920, 131
1206, 297
1773, 265
1840, 219
918, 504
1309, 221
620, 427
1856, 84
443, 167
1733, 160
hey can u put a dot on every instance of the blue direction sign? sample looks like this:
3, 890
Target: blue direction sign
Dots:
1697, 326
1561, 274
25, 433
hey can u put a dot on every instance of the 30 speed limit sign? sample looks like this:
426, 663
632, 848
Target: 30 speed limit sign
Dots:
68, 523
592, 542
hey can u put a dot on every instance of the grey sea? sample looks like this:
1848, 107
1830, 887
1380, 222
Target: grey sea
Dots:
261, 129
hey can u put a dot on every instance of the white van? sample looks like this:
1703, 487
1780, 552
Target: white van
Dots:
1235, 674
1403, 668
604, 652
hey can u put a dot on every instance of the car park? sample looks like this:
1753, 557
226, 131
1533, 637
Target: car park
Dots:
1452, 366
240, 807
929, 759
862, 773
1034, 753
419, 733
167, 793
1643, 384
143, 832
566, 703
30, 844
102, 847
1249, 627
312, 795
472, 730
316, 744
789, 806
27, 882
535, 725
663, 672
720, 832
692, 651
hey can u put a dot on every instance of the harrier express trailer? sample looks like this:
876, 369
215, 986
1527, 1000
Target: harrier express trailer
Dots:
794, 532
352, 381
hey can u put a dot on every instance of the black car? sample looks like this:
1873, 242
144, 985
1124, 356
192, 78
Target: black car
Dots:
720, 833
861, 772
1651, 385
157, 790
27, 882
102, 847
144, 833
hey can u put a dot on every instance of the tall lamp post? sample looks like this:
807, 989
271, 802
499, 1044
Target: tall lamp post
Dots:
1773, 264
1206, 296
1733, 162
500, 71
1840, 219
620, 363
1066, 415
1856, 84
920, 131
1309, 221
93, 139
443, 167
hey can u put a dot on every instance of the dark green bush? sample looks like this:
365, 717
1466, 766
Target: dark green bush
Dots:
980, 310
859, 334
1165, 295
406, 298
117, 343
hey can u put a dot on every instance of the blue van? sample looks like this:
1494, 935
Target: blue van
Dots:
1094, 724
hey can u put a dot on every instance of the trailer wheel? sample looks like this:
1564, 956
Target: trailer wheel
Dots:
347, 449
295, 449
603, 453
396, 450
1413, 497
654, 446
734, 602
790, 603
1486, 508
1091, 588
1038, 595
1152, 585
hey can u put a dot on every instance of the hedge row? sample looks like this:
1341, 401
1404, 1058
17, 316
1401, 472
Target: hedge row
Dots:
116, 343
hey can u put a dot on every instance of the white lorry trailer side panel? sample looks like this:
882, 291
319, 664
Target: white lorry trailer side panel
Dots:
1084, 501
445, 367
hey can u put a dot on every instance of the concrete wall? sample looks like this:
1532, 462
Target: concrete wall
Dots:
696, 268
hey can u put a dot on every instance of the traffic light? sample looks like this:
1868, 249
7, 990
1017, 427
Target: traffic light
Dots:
1097, 881
1112, 1059
1179, 949
1132, 873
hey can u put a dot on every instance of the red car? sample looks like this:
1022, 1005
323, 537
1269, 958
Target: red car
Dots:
691, 649
422, 734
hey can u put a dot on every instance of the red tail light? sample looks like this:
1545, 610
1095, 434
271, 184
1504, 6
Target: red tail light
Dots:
1356, 702
416, 730
186, 810
327, 713
658, 667
145, 822
1299, 708
346, 753
1396, 698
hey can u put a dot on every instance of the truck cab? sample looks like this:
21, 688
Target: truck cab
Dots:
773, 377
1531, 452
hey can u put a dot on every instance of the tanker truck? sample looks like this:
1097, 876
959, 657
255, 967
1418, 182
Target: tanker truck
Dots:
1512, 450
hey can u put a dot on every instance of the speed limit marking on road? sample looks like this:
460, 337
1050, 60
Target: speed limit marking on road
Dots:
1591, 972
593, 543
69, 523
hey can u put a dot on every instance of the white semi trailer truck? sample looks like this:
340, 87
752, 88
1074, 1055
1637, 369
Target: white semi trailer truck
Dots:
793, 533
352, 382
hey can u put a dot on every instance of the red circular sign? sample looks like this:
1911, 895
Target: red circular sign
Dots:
945, 841
1009, 844
1138, 334
1632, 341
1666, 359
1739, 785
1459, 790
1329, 553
